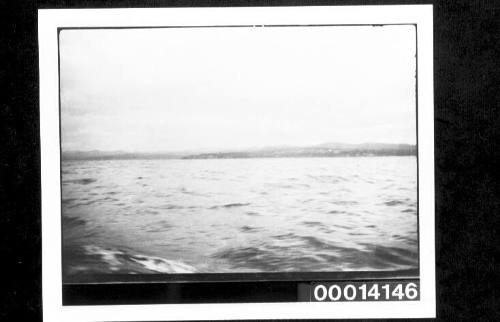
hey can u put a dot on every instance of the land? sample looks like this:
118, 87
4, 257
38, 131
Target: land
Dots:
321, 150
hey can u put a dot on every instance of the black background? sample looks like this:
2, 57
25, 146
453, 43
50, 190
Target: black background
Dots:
466, 59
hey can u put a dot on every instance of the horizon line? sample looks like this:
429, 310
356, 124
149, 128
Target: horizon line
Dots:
193, 150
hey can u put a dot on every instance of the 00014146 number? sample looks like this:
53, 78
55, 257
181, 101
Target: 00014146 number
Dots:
364, 291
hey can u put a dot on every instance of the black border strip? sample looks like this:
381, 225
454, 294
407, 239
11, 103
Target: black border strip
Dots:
193, 293
244, 277
91, 282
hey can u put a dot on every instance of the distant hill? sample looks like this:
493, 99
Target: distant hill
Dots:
115, 155
365, 146
321, 150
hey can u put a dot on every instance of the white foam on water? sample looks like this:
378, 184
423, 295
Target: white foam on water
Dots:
155, 264
108, 255
162, 265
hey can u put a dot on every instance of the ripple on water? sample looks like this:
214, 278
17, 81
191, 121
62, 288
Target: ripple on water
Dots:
72, 222
248, 229
230, 205
344, 202
254, 258
395, 202
83, 181
313, 224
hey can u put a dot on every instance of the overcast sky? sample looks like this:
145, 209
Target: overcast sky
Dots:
230, 88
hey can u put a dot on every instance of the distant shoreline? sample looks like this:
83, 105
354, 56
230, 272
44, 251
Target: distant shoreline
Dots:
237, 158
230, 156
329, 150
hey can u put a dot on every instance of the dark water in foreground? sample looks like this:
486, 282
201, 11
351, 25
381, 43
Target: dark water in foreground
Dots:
239, 215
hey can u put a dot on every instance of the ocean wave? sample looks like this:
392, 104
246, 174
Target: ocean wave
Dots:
317, 254
313, 224
248, 229
231, 205
325, 178
395, 202
119, 260
170, 207
71, 222
344, 202
90, 202
336, 212
162, 265
83, 181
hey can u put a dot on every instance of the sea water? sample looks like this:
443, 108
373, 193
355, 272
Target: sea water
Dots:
239, 215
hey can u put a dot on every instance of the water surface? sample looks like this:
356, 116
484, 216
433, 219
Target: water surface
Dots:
239, 215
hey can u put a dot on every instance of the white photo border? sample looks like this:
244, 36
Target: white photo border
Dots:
49, 20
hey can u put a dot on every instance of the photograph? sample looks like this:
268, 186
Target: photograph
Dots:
237, 163
250, 161
238, 149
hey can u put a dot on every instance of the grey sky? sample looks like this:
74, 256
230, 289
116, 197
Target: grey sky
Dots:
219, 88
